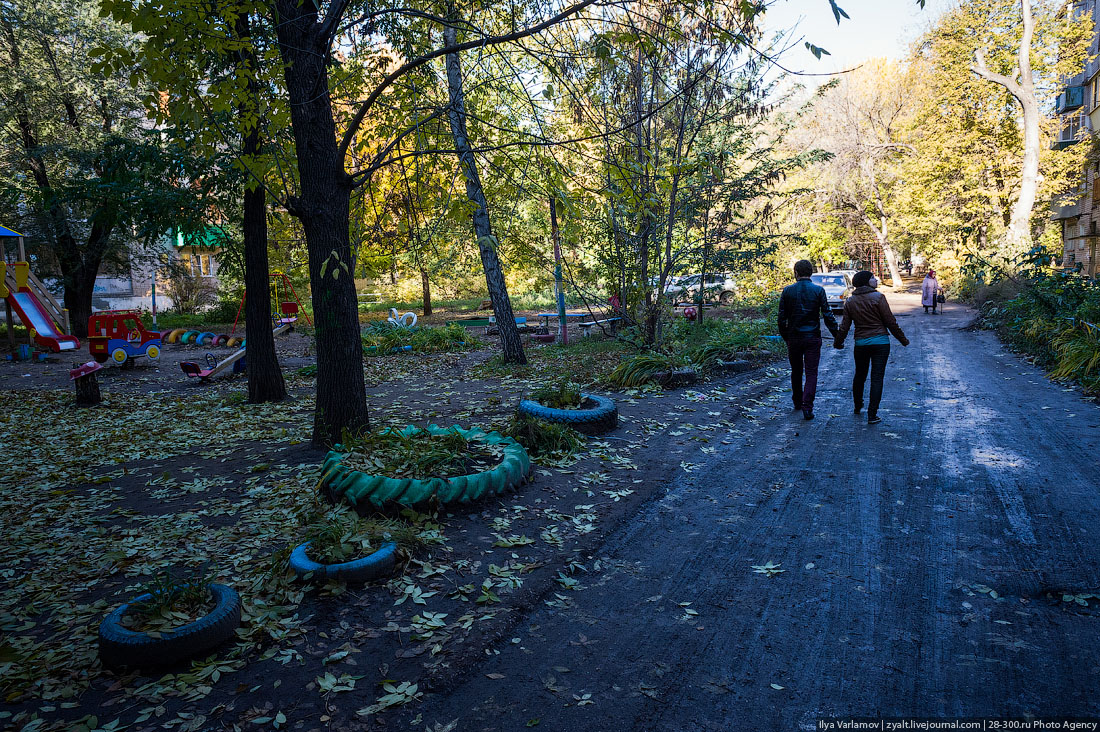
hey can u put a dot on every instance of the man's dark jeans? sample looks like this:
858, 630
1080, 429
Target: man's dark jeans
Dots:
804, 355
872, 357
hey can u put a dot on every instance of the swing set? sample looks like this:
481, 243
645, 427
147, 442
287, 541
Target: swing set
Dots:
288, 308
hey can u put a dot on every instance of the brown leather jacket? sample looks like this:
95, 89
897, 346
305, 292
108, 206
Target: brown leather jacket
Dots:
868, 309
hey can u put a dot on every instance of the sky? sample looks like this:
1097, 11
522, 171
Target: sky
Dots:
877, 28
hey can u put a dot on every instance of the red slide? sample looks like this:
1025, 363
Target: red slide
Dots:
35, 317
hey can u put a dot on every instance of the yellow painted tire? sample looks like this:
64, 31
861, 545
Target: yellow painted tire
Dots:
152, 352
119, 356
175, 334
232, 342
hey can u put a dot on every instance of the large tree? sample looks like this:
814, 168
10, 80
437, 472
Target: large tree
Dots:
859, 121
94, 183
210, 89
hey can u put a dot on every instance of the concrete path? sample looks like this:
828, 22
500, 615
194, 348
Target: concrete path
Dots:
924, 562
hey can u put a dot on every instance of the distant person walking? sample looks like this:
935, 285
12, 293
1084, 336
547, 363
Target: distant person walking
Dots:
801, 307
867, 308
929, 291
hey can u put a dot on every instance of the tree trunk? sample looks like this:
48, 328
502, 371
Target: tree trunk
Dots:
426, 286
323, 207
891, 258
1018, 235
510, 342
87, 391
265, 379
79, 287
559, 282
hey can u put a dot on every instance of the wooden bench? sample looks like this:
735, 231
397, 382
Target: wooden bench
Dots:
587, 327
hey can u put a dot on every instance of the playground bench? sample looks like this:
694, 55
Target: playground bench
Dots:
587, 327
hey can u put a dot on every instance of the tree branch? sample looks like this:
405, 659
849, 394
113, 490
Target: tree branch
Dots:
981, 70
408, 66
335, 11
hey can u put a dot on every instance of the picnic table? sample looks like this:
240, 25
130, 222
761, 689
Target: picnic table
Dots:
546, 317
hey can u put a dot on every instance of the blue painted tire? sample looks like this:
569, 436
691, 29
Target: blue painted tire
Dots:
207, 338
375, 566
121, 647
603, 417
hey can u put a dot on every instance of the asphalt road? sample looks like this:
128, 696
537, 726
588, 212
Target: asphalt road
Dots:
924, 564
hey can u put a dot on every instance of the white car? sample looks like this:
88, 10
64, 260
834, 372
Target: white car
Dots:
718, 286
838, 286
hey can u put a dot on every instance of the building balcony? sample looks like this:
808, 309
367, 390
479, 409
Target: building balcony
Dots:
1065, 209
1072, 97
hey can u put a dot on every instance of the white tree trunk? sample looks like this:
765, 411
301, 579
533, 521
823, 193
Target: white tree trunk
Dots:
1021, 85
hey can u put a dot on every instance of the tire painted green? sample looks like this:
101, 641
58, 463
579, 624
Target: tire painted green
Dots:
359, 488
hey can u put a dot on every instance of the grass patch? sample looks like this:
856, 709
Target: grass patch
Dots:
562, 394
381, 338
176, 599
640, 369
543, 438
341, 535
587, 361
419, 455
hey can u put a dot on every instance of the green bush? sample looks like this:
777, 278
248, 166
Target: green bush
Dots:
562, 394
419, 455
341, 535
640, 369
382, 337
540, 437
1054, 317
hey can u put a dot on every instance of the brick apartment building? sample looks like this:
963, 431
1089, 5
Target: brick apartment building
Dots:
1078, 107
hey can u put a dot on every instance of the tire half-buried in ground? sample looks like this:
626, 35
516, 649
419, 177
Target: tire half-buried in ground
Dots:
363, 490
598, 414
119, 646
371, 567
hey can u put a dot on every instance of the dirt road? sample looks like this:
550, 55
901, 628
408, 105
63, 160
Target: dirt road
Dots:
924, 563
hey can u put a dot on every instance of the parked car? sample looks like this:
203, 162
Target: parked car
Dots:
718, 286
838, 286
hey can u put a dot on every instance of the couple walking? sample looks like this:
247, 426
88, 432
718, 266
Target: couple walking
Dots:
801, 308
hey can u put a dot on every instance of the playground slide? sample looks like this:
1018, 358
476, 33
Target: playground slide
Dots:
33, 315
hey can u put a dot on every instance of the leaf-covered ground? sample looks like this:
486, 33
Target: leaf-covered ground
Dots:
167, 474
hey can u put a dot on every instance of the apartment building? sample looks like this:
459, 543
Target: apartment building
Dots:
133, 287
1078, 109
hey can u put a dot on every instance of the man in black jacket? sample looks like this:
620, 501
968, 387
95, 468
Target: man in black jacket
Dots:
801, 308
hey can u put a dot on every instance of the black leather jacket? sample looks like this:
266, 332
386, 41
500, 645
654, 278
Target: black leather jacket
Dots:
799, 308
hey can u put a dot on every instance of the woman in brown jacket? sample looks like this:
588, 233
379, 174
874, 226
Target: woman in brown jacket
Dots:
868, 309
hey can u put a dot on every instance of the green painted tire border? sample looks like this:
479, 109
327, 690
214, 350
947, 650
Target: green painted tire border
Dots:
358, 488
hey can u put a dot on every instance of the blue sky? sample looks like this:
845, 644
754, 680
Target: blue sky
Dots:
878, 28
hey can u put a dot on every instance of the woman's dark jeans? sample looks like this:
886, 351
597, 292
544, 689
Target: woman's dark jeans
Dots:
872, 357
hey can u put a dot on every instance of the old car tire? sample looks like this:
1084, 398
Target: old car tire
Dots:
371, 567
602, 417
121, 647
339, 481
